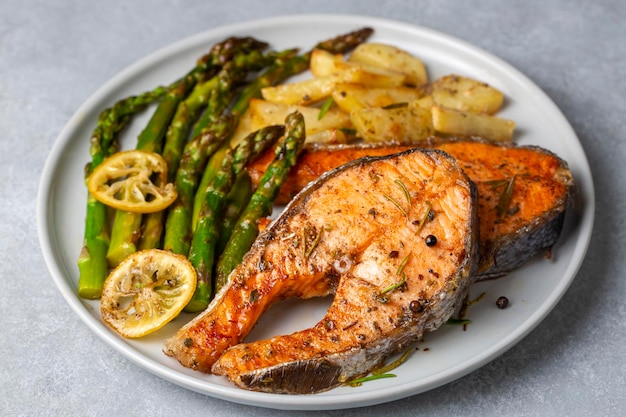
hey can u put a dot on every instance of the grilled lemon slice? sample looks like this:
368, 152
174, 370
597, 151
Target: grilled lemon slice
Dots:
146, 291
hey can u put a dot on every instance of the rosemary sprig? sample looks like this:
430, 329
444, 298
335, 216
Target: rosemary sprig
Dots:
254, 296
348, 131
422, 221
494, 184
328, 103
359, 381
306, 249
383, 371
395, 106
399, 272
393, 365
403, 264
405, 191
505, 199
458, 321
407, 196
395, 203
394, 286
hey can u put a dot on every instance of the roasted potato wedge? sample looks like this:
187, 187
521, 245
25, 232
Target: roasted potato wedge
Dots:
351, 97
309, 91
264, 113
332, 135
466, 94
391, 58
324, 63
426, 102
462, 123
408, 124
315, 89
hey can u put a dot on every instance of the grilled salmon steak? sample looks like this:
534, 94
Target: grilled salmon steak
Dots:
523, 192
392, 237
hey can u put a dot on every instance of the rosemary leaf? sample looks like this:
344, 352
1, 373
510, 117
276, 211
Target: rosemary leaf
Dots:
359, 381
395, 203
348, 131
505, 199
328, 103
424, 217
405, 191
394, 286
393, 365
395, 106
458, 321
403, 264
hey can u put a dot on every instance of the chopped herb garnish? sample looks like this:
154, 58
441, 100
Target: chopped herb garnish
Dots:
403, 264
308, 250
254, 296
505, 199
425, 217
394, 286
395, 203
405, 191
458, 321
328, 103
395, 106
393, 365
496, 183
359, 381
348, 131
477, 299
398, 284
374, 176
407, 196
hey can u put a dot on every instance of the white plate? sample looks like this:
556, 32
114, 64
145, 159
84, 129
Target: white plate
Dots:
533, 290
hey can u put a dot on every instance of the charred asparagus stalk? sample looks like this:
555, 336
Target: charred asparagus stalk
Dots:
206, 234
178, 224
262, 200
236, 201
92, 264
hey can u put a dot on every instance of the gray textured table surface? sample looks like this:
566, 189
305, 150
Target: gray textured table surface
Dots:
53, 55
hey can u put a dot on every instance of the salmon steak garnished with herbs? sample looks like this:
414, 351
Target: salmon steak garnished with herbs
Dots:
393, 238
523, 192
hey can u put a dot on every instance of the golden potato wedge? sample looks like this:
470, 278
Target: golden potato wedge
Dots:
264, 113
391, 58
408, 124
332, 135
462, 123
372, 77
324, 63
315, 89
467, 94
426, 102
351, 97
308, 91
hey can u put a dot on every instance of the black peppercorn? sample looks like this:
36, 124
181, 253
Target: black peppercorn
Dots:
431, 240
416, 307
502, 302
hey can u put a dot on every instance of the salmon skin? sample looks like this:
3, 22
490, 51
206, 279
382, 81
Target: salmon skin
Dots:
393, 238
511, 233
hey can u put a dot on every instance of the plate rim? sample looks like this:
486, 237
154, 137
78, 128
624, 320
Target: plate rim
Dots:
44, 194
